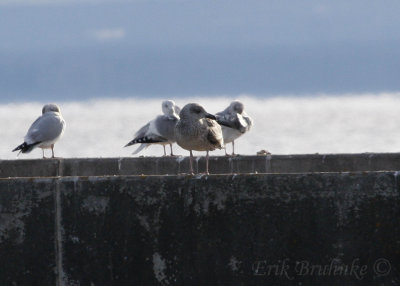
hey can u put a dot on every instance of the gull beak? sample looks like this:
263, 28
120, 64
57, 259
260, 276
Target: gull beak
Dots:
208, 115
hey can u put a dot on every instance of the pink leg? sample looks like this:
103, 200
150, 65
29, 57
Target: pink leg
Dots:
207, 173
191, 163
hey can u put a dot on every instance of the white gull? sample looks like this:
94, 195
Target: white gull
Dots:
44, 131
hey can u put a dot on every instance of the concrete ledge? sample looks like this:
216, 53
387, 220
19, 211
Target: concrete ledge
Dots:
203, 230
218, 165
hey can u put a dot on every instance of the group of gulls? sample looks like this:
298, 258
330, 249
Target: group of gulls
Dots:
192, 128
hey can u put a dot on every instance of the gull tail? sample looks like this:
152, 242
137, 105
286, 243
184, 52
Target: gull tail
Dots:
146, 140
25, 147
140, 148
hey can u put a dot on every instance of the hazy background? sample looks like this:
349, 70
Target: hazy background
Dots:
66, 49
283, 125
316, 76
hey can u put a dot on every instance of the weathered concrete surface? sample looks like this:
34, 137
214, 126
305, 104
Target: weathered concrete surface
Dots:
205, 230
218, 165
27, 232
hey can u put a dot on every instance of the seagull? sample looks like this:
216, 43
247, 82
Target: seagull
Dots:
161, 130
235, 122
198, 130
45, 131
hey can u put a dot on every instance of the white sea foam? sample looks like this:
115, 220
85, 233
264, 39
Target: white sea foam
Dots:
283, 125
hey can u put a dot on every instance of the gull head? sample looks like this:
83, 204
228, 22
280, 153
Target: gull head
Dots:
236, 106
51, 107
195, 111
169, 108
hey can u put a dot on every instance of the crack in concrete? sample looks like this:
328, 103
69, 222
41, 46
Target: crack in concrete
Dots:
58, 229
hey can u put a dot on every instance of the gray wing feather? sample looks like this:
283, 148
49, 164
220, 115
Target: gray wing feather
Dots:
227, 116
214, 135
142, 131
166, 127
224, 114
242, 123
234, 121
248, 120
147, 134
46, 128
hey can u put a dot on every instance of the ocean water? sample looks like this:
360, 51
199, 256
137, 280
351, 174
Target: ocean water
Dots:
348, 123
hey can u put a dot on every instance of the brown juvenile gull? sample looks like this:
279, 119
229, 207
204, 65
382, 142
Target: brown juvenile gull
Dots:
235, 122
197, 130
45, 131
161, 130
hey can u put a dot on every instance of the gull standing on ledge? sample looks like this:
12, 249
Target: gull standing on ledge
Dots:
45, 131
160, 130
197, 130
238, 121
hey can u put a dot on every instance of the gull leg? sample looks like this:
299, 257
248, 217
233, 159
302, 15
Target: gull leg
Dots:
207, 173
52, 150
43, 154
165, 154
191, 163
170, 145
233, 148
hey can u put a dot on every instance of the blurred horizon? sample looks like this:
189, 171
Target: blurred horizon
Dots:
282, 125
76, 50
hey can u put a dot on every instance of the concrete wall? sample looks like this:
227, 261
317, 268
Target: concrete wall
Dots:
259, 229
218, 165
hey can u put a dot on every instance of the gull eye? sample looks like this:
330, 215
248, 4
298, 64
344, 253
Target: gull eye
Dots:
196, 109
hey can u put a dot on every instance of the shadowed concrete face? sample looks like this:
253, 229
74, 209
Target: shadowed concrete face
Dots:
27, 232
205, 230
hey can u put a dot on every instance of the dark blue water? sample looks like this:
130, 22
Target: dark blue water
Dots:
93, 72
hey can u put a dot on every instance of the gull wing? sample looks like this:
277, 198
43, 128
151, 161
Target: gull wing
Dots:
47, 127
